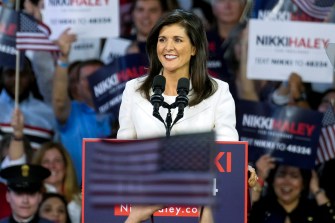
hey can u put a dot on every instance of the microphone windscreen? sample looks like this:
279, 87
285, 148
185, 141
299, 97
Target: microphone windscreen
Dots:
183, 84
159, 82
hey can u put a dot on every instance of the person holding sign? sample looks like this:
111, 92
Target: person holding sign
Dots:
144, 16
76, 119
228, 14
39, 123
286, 198
177, 48
293, 92
16, 148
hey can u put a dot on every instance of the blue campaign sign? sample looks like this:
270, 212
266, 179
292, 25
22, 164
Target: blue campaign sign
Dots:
229, 190
8, 26
108, 83
288, 133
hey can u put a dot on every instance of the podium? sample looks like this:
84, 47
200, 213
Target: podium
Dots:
228, 191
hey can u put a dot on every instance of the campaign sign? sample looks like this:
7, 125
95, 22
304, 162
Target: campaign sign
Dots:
299, 47
330, 50
84, 49
8, 20
86, 18
108, 83
229, 190
289, 133
114, 48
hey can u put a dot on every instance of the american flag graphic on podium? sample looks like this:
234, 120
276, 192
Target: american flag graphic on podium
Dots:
33, 35
175, 170
326, 149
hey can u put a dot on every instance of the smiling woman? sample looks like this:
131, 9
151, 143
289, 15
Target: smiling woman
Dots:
62, 180
174, 50
287, 197
177, 48
53, 208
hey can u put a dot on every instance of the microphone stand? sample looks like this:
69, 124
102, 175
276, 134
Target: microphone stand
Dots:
158, 116
168, 119
158, 100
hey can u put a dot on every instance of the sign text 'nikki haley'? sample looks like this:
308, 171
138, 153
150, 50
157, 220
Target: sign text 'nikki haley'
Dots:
290, 134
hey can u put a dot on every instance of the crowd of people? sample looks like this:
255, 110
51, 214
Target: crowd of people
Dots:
41, 138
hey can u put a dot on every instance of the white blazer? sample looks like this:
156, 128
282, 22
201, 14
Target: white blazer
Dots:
215, 113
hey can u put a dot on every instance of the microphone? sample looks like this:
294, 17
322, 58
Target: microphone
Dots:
182, 99
182, 91
158, 87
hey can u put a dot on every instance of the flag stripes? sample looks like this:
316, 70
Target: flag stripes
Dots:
33, 35
180, 178
105, 201
319, 9
326, 149
36, 136
136, 172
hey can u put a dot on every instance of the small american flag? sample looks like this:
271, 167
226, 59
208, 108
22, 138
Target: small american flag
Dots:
33, 35
326, 150
177, 170
319, 9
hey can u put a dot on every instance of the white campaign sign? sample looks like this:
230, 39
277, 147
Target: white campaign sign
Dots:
276, 49
330, 50
86, 18
113, 48
84, 49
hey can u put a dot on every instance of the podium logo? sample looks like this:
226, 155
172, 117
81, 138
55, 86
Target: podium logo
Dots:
223, 162
171, 211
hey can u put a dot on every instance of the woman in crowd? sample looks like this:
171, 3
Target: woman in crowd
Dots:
62, 180
144, 16
53, 207
286, 199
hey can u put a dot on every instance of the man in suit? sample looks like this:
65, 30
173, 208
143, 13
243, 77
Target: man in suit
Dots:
24, 192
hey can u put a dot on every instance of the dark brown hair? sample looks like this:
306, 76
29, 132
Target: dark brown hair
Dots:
202, 85
47, 196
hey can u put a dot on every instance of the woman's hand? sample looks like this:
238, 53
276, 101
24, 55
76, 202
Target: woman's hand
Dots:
141, 213
64, 42
297, 91
16, 147
207, 215
314, 187
17, 123
253, 177
264, 164
314, 183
